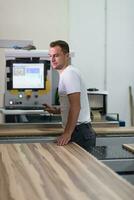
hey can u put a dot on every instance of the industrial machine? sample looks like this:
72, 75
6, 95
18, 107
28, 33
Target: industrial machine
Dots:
29, 83
98, 104
99, 114
28, 79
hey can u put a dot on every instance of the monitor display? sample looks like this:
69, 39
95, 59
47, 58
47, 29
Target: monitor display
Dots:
28, 76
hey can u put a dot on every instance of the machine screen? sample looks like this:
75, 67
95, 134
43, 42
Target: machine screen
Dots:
28, 76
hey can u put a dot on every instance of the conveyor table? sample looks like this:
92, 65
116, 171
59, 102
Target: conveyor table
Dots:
41, 171
108, 143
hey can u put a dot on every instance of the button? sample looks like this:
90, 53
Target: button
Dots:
11, 102
20, 95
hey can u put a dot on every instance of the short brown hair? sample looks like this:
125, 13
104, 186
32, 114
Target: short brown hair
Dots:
64, 45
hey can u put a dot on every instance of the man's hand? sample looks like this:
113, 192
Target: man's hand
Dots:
51, 109
63, 139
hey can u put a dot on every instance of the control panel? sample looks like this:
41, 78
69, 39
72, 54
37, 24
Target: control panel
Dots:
29, 79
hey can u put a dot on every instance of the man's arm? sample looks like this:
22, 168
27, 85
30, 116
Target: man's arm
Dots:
74, 100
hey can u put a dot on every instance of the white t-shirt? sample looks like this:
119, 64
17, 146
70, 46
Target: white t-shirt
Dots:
70, 82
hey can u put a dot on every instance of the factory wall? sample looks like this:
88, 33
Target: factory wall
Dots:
100, 33
39, 20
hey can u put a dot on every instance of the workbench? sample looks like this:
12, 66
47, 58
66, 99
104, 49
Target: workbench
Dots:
108, 148
29, 129
42, 171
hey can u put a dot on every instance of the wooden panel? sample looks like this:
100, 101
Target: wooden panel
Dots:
129, 147
131, 106
115, 130
51, 172
104, 124
28, 130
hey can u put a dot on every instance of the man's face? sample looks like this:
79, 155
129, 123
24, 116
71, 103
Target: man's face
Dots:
58, 58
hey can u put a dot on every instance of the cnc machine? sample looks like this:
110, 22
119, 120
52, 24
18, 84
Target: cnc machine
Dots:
30, 82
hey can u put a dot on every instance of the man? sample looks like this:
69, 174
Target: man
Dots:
74, 104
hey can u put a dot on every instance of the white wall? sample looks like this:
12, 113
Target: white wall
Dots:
120, 55
87, 39
37, 20
104, 44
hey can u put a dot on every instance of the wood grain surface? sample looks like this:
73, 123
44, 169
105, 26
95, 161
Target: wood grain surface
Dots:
115, 130
50, 172
28, 130
129, 147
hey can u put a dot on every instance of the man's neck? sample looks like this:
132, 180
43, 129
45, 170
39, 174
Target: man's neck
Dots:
61, 70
